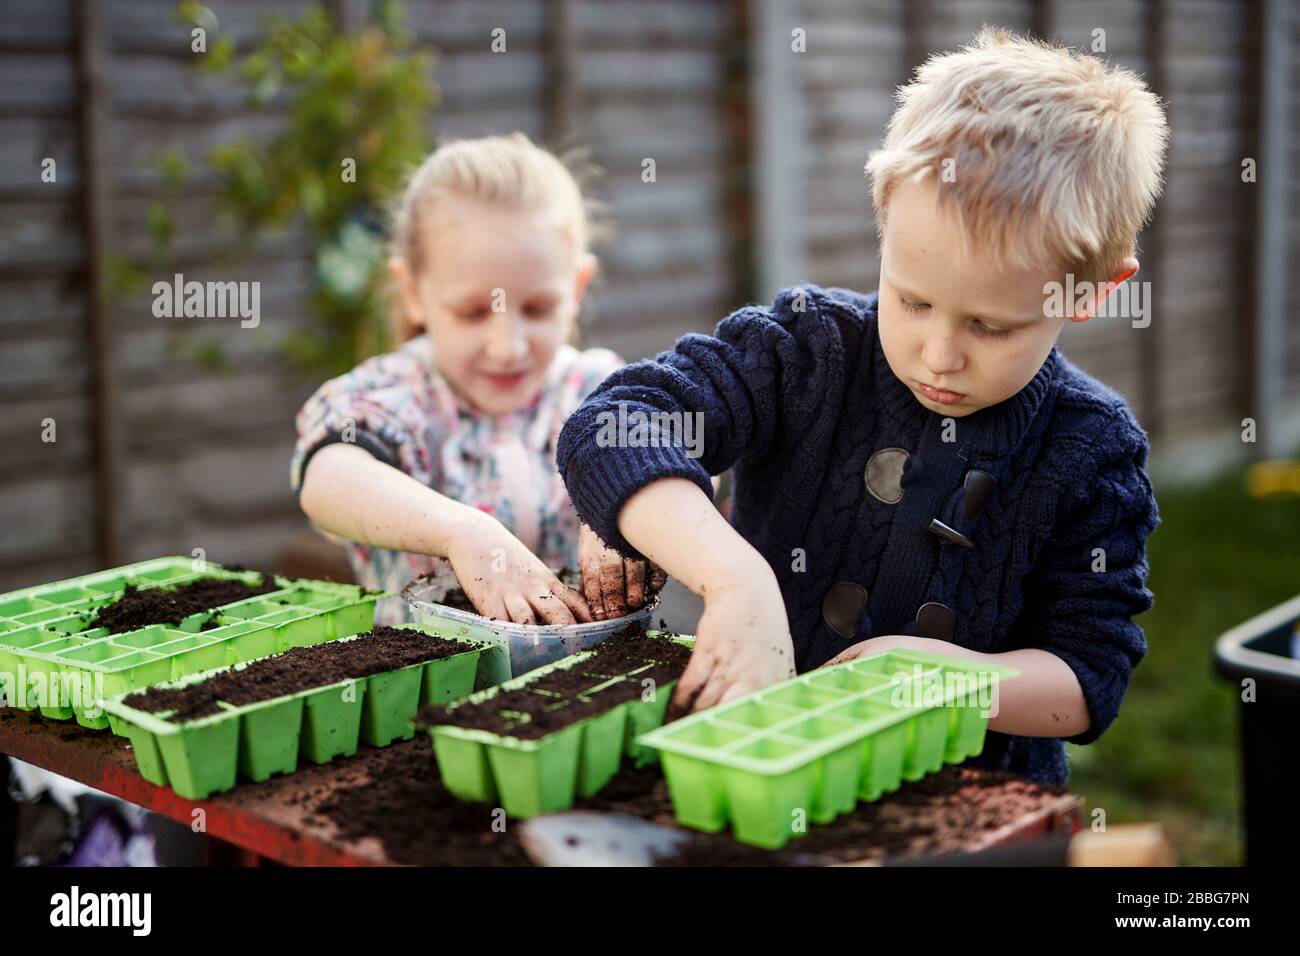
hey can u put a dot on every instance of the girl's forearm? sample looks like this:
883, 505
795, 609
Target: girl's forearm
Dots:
351, 493
1044, 701
673, 523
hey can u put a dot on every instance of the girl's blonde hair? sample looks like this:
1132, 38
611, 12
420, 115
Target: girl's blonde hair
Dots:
510, 170
1054, 157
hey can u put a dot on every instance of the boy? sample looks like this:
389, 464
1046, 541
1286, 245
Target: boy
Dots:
920, 467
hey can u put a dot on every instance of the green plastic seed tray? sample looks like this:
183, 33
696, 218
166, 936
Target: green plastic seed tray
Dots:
810, 748
270, 737
331, 720
72, 674
13, 667
50, 658
545, 774
196, 758
276, 736
395, 697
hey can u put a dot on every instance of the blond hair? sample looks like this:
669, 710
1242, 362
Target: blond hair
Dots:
509, 170
1056, 157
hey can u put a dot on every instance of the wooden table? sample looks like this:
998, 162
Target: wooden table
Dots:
273, 820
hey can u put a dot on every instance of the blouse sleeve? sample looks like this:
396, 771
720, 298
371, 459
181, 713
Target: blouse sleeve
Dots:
377, 406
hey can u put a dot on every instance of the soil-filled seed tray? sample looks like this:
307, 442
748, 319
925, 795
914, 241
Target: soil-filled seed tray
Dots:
558, 733
201, 733
68, 646
807, 750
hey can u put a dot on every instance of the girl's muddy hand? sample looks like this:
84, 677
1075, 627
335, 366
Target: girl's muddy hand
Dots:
508, 582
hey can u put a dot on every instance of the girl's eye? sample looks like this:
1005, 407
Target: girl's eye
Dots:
912, 306
539, 310
472, 315
988, 332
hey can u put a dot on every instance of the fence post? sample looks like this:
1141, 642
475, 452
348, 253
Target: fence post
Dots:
781, 141
560, 50
105, 414
1270, 237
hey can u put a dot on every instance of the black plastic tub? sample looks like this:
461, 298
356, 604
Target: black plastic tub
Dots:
1262, 649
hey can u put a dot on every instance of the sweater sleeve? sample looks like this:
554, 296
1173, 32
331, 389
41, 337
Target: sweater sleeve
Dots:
696, 410
1091, 582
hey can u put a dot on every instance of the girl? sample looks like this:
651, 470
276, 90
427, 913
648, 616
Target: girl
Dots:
443, 451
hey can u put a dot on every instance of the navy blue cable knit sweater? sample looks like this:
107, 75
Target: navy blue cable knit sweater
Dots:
798, 400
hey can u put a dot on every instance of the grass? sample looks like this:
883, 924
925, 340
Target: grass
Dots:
1218, 558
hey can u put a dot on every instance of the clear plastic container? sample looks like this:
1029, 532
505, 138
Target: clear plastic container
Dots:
517, 648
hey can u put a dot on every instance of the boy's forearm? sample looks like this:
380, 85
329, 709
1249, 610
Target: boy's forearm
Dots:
351, 493
673, 523
1044, 701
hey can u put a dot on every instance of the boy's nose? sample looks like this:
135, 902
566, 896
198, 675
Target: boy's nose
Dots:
942, 356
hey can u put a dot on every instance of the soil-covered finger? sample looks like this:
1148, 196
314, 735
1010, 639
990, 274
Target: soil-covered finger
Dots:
656, 580
613, 587
576, 603
711, 694
693, 680
591, 571
519, 610
551, 609
634, 576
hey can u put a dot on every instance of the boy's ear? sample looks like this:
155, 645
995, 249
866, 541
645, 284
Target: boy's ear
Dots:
408, 293
1127, 270
588, 265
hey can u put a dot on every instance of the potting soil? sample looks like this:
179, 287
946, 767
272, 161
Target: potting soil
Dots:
300, 668
141, 607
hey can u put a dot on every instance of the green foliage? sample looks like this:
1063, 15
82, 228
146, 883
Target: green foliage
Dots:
124, 277
356, 108
359, 97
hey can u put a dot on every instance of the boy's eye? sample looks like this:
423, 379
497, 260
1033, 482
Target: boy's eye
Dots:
472, 314
988, 332
910, 306
539, 310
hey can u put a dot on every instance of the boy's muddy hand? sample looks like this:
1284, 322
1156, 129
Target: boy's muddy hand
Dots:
612, 584
508, 582
742, 644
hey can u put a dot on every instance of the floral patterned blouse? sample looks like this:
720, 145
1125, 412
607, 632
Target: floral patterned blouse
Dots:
399, 407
